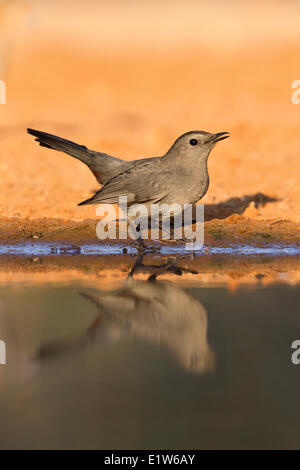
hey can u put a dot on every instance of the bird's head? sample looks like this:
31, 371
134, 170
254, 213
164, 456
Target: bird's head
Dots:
196, 144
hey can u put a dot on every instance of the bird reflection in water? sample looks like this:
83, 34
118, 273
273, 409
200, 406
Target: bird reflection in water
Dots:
154, 310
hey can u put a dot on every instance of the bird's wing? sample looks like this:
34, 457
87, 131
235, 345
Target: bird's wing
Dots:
102, 165
143, 182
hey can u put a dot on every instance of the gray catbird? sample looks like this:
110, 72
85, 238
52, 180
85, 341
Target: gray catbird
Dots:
180, 176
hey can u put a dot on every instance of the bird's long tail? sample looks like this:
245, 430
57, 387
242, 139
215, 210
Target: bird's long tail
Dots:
62, 145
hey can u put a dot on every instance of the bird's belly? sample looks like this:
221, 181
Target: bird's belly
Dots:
190, 196
200, 190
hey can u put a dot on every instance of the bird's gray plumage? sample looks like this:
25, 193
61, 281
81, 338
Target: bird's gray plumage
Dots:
178, 177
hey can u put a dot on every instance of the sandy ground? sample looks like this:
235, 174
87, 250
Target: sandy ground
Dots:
130, 87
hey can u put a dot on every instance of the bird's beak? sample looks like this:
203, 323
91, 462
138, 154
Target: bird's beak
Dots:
219, 136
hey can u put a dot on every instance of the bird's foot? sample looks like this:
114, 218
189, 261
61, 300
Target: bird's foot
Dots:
142, 248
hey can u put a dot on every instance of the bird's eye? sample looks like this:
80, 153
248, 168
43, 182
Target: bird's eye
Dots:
193, 142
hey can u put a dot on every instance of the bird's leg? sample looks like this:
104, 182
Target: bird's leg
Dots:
171, 231
166, 233
139, 230
140, 245
183, 239
170, 235
140, 241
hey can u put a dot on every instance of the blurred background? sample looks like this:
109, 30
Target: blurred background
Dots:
127, 77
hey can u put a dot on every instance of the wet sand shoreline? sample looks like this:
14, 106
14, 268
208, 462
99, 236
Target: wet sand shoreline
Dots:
217, 232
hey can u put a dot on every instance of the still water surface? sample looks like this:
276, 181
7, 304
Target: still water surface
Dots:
149, 364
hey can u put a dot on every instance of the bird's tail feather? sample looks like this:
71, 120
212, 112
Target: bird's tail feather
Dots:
62, 145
